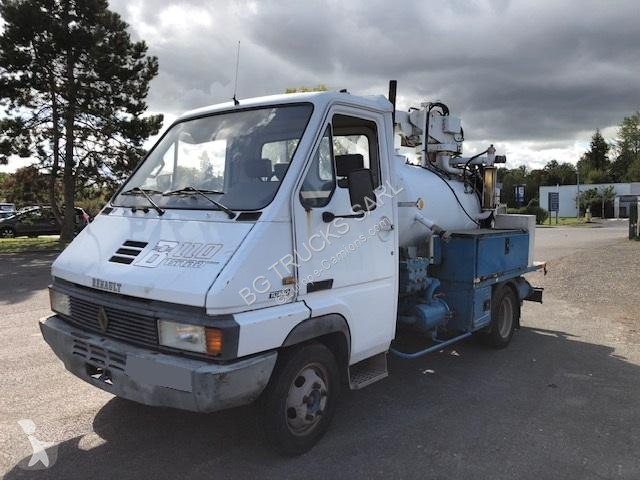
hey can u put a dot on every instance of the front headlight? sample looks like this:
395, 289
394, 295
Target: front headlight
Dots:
194, 338
60, 302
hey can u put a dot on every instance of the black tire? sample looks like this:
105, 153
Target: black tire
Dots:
305, 381
7, 232
505, 315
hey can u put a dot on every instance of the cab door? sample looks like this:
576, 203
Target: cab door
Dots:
346, 261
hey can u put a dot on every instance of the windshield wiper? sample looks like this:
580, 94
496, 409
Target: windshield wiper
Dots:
145, 193
203, 194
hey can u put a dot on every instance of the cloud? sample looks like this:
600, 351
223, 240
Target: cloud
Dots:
521, 74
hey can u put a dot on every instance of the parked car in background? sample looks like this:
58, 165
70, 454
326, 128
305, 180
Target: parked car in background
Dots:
7, 210
37, 221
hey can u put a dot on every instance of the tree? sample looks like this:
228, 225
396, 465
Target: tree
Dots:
553, 173
559, 173
509, 179
607, 195
589, 199
626, 166
3, 178
596, 200
596, 158
73, 86
27, 186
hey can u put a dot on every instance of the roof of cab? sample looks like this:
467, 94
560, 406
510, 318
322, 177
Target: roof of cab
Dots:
375, 102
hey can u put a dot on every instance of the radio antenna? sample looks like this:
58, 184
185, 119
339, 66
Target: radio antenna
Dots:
235, 86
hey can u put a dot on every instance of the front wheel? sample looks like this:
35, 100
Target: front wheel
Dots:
505, 312
299, 402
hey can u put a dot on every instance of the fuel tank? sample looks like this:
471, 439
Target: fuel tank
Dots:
438, 196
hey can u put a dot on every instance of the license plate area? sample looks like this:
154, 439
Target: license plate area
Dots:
155, 372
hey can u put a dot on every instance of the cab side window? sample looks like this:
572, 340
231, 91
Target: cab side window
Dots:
355, 143
320, 182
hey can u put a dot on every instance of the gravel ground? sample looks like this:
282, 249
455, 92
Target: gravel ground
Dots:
563, 401
604, 284
606, 275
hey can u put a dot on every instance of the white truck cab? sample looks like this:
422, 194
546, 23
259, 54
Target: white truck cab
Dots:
274, 248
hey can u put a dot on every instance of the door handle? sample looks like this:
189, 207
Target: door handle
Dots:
328, 217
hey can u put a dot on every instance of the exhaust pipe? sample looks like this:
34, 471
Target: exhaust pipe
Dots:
393, 86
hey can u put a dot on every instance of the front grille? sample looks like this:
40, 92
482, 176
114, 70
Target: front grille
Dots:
121, 325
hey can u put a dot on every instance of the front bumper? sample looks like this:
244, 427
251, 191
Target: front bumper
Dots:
155, 378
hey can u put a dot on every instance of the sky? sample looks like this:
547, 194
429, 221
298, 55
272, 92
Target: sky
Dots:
535, 78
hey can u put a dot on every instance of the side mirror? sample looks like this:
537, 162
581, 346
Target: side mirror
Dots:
363, 198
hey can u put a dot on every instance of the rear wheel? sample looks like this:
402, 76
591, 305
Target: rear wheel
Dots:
7, 232
299, 402
505, 312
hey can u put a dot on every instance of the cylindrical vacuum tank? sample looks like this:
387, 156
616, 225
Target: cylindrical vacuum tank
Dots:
440, 205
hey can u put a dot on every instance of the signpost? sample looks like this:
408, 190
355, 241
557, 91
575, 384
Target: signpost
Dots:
519, 195
634, 228
554, 204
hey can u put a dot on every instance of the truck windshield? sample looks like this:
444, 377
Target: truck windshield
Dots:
236, 158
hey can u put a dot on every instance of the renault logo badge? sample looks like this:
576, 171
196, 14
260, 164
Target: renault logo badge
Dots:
103, 320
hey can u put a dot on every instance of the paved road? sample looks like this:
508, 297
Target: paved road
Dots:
557, 242
561, 402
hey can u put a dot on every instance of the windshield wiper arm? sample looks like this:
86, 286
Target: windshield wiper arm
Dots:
203, 193
145, 192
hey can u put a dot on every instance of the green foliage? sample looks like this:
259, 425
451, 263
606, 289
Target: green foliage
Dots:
608, 194
594, 167
589, 199
27, 186
509, 179
595, 199
553, 173
532, 209
597, 157
540, 213
73, 86
626, 166
559, 173
597, 176
633, 173
303, 88
3, 179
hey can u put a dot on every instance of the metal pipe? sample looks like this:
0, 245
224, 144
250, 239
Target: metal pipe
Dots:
393, 86
445, 164
435, 283
429, 224
433, 348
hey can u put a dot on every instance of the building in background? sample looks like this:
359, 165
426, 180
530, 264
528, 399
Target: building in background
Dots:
626, 193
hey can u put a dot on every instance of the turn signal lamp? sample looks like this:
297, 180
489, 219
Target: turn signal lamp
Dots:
213, 341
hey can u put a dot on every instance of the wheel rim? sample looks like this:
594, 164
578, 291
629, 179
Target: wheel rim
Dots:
506, 317
6, 232
307, 399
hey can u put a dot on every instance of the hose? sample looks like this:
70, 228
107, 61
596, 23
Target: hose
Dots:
455, 195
